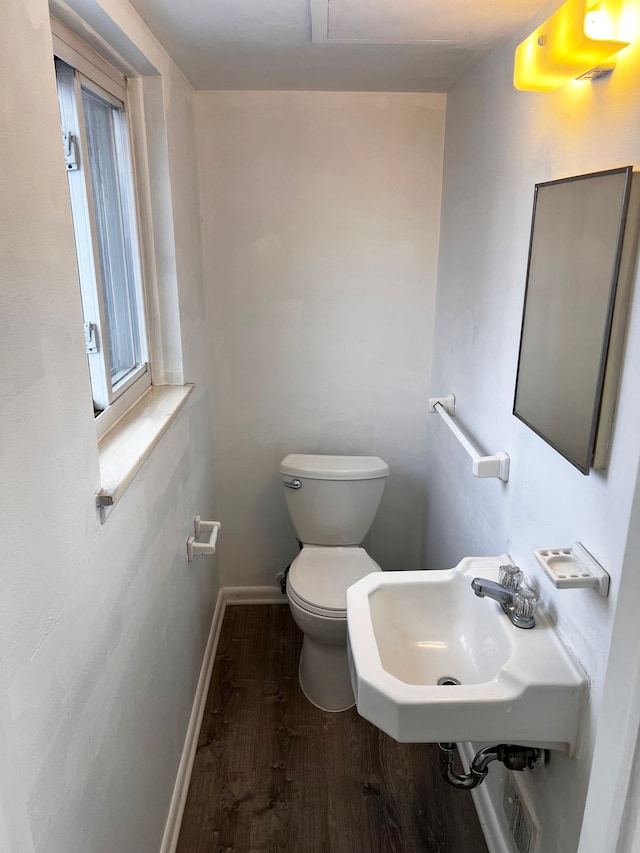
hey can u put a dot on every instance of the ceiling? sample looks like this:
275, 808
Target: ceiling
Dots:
343, 45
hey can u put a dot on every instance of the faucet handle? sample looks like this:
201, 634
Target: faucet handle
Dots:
511, 577
525, 602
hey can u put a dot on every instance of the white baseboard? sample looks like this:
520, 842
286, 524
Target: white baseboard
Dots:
253, 595
226, 595
181, 787
485, 808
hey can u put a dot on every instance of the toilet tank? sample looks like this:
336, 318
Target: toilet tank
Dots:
337, 496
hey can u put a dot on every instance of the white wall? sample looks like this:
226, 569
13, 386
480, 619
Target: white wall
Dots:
320, 231
102, 628
499, 143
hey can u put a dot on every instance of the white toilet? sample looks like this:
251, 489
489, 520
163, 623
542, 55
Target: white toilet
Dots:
332, 501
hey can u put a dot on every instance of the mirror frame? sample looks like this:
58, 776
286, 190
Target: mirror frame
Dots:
603, 369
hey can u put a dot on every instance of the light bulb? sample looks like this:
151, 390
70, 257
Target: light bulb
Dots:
597, 25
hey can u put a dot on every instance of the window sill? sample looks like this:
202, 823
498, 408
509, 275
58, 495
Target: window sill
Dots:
106, 420
124, 449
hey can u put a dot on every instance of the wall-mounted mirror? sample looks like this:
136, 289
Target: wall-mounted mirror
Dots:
575, 312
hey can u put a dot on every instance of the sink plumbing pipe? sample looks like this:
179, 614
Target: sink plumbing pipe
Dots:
513, 757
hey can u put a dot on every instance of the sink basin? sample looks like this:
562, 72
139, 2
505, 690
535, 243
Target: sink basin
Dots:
408, 631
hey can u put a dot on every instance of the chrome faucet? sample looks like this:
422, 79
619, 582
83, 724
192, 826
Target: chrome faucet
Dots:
519, 604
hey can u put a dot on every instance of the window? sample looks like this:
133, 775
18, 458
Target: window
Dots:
95, 131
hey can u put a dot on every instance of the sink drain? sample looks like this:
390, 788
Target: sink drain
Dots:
447, 680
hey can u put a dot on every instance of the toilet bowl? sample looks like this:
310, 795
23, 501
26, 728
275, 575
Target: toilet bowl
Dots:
332, 501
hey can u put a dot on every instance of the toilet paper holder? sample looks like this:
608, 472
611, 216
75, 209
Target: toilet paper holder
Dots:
200, 527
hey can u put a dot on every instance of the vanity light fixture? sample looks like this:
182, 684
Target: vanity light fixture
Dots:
577, 41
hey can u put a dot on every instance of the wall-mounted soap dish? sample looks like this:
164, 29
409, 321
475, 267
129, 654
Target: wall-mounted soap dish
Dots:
571, 568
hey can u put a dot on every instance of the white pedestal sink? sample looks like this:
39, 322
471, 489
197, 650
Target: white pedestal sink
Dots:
409, 630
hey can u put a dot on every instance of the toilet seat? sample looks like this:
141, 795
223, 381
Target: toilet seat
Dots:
319, 577
338, 615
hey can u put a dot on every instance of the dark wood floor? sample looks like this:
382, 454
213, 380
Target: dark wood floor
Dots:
274, 774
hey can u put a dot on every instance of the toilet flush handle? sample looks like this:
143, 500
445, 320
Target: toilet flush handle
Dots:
292, 484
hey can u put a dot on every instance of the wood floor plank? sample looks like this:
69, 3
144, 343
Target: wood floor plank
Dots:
274, 774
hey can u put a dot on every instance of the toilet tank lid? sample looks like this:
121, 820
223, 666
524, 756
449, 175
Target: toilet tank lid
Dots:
320, 467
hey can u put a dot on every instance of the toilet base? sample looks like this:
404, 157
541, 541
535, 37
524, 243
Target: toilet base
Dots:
324, 676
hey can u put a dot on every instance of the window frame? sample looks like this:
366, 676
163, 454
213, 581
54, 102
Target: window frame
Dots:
83, 68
